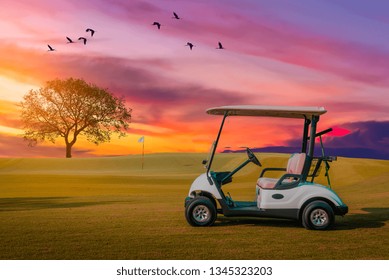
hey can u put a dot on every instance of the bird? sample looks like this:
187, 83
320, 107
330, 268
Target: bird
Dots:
190, 45
220, 46
92, 32
50, 48
157, 24
175, 16
69, 40
83, 38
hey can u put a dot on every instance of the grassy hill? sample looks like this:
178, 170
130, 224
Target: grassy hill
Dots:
109, 208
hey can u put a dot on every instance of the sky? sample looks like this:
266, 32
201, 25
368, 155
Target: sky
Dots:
330, 53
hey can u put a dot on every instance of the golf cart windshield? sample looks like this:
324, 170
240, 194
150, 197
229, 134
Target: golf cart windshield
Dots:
211, 152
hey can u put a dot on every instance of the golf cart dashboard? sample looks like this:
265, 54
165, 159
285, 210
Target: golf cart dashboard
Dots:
221, 178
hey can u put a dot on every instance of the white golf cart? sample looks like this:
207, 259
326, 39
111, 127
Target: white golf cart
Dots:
292, 196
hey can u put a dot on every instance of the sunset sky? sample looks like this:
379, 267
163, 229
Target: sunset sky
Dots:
331, 53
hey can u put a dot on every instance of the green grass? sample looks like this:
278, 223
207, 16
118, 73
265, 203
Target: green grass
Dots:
108, 208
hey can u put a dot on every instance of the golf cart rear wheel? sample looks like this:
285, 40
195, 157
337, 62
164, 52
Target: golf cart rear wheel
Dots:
318, 215
200, 212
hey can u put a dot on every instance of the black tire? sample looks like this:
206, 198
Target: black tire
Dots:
318, 215
200, 212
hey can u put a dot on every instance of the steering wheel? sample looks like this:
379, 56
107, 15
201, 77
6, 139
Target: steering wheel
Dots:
252, 157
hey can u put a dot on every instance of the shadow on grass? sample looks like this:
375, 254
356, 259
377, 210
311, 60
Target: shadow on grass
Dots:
373, 218
268, 222
37, 203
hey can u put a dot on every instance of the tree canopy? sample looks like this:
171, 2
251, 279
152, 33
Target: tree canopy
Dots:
72, 108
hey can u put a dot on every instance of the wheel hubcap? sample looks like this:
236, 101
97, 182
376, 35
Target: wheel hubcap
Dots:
319, 217
201, 213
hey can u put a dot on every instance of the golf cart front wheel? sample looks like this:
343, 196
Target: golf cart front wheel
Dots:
200, 212
318, 215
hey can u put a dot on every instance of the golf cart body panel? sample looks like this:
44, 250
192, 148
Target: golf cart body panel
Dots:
295, 197
292, 196
202, 184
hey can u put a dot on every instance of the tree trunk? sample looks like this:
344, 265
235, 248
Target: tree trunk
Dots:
70, 144
68, 150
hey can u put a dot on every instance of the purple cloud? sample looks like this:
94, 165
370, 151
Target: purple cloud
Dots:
370, 134
368, 139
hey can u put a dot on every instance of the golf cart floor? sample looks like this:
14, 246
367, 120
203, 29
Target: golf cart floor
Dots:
246, 204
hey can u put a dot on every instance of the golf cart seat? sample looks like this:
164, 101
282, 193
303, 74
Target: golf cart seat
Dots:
293, 170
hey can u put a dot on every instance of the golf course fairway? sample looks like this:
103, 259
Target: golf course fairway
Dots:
109, 208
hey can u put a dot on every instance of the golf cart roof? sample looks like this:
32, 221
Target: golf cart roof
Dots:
268, 111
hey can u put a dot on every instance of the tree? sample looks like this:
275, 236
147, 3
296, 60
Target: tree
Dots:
71, 108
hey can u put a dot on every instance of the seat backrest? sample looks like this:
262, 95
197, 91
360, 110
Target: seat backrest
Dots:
296, 163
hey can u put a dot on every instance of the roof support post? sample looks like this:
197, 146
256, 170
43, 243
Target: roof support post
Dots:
310, 154
311, 150
312, 137
307, 122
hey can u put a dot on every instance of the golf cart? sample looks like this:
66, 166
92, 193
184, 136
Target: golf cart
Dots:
294, 195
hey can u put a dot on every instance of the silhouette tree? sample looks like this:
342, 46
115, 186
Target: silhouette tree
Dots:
72, 108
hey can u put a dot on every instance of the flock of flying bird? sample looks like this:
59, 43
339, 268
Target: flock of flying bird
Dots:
189, 44
156, 23
70, 41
